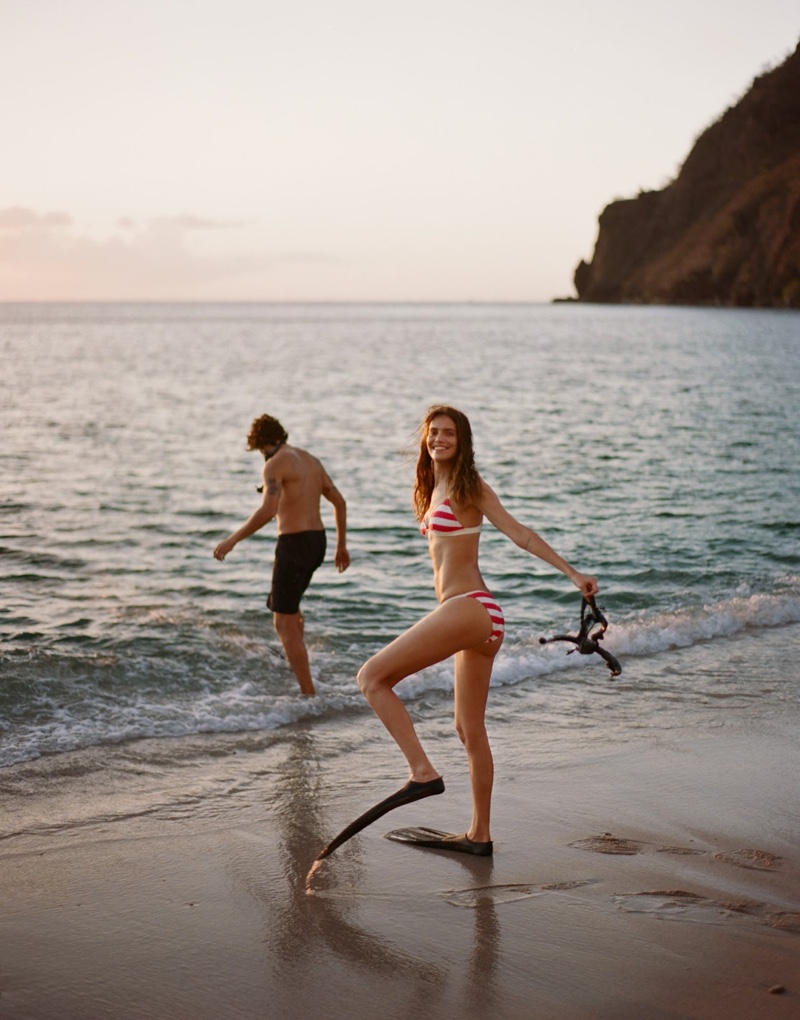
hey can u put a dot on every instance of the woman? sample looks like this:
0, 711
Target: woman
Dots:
451, 500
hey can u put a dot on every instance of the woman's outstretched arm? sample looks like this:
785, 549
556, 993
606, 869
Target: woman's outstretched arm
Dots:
527, 539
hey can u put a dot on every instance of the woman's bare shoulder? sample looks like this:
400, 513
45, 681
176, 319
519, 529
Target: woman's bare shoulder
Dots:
486, 497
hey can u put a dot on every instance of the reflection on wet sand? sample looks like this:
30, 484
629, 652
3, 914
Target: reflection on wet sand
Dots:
480, 987
307, 924
304, 926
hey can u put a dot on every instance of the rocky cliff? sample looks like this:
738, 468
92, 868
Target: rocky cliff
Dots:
726, 231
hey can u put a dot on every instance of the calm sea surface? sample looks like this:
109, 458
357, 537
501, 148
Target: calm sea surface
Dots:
658, 448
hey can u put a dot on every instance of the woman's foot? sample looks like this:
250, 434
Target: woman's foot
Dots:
416, 789
433, 839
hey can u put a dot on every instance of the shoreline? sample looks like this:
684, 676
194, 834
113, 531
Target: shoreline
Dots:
659, 879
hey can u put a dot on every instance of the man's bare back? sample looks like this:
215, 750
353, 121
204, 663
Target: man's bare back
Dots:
299, 480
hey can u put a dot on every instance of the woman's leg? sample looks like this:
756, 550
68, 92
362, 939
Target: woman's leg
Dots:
472, 676
456, 624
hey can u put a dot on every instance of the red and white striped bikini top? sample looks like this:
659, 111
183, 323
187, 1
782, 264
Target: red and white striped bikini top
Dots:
443, 521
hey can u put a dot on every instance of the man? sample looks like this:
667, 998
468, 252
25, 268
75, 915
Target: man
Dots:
293, 483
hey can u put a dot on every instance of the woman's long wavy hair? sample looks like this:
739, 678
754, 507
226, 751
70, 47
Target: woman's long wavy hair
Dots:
464, 483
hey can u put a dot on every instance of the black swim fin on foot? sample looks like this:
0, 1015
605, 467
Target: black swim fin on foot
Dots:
405, 795
433, 839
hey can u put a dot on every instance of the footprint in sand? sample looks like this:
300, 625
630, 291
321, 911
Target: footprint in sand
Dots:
608, 844
483, 895
679, 905
665, 904
759, 860
785, 922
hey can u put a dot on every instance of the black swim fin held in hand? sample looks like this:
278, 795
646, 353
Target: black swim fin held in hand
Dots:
405, 795
586, 643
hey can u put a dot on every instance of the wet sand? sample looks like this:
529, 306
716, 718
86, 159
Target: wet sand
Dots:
659, 880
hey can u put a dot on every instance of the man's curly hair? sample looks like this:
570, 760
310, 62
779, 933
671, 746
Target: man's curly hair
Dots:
266, 431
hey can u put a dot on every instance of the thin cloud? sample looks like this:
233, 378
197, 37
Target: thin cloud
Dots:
17, 218
44, 257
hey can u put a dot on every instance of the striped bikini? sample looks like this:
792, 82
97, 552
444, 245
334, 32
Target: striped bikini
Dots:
442, 521
492, 608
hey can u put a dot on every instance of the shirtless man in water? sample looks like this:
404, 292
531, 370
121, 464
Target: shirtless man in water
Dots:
293, 483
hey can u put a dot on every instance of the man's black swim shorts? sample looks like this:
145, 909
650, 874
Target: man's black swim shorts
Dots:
297, 556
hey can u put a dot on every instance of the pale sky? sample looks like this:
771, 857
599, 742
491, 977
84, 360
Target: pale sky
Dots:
431, 150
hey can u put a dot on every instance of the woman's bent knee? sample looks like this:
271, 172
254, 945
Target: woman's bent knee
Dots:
369, 679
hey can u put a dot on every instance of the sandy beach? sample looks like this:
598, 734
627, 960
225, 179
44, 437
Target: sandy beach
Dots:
656, 880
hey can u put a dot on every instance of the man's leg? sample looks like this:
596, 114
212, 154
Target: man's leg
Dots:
289, 627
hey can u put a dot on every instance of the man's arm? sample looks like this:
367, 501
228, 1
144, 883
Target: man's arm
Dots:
336, 499
263, 515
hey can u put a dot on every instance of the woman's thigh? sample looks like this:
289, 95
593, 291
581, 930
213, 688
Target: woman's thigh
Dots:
453, 626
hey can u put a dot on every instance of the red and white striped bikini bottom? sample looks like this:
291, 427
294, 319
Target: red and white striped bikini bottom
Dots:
492, 608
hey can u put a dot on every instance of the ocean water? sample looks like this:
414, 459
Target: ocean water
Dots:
656, 447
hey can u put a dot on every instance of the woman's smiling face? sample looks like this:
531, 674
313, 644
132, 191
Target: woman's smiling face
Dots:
442, 439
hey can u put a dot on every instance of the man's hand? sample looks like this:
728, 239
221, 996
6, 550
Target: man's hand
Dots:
342, 560
223, 549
